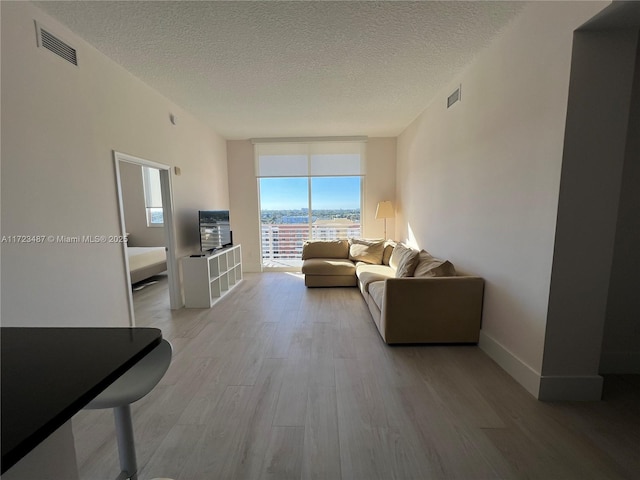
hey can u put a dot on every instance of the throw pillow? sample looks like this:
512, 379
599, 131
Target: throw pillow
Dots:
429, 266
404, 260
388, 250
367, 251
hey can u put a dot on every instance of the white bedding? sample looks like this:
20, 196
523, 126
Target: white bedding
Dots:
140, 257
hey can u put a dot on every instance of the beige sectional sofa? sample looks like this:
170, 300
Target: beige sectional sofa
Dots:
413, 297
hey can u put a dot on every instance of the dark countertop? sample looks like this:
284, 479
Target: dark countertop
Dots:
49, 374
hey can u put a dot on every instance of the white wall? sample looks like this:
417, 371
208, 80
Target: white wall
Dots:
60, 125
602, 71
379, 184
478, 183
621, 340
243, 198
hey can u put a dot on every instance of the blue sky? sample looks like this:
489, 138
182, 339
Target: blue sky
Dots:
292, 193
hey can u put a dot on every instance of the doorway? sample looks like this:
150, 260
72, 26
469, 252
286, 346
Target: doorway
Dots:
160, 218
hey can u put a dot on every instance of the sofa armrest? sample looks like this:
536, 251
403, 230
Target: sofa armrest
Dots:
432, 310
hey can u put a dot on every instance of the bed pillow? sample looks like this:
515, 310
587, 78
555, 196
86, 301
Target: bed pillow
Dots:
367, 251
404, 260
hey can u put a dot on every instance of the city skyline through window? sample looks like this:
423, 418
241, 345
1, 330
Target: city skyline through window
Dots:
296, 209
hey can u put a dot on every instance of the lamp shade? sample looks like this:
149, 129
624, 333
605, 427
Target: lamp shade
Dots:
385, 210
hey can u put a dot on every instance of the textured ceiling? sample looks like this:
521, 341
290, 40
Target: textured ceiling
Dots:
264, 69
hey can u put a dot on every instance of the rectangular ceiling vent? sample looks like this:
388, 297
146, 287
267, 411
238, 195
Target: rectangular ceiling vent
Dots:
454, 97
52, 43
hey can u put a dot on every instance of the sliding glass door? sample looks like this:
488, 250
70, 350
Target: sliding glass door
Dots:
284, 220
296, 209
335, 207
307, 191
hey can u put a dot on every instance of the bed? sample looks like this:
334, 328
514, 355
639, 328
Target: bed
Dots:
145, 262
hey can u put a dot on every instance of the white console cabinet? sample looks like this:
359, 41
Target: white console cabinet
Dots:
207, 279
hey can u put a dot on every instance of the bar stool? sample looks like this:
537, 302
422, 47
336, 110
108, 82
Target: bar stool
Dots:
138, 381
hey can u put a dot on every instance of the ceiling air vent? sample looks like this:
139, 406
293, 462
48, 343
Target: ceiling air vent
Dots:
454, 97
52, 43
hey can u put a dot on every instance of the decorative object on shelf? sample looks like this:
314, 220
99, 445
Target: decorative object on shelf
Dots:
385, 210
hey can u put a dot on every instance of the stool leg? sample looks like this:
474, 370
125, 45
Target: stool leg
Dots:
126, 445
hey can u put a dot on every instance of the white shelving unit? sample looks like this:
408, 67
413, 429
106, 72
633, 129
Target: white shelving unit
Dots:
207, 279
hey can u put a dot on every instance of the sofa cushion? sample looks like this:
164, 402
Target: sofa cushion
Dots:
403, 260
368, 251
328, 266
376, 291
372, 273
325, 249
429, 266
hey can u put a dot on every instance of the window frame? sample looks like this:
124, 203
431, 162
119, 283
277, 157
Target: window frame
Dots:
148, 194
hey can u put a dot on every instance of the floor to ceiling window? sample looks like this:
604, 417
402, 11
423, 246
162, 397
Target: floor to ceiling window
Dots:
307, 191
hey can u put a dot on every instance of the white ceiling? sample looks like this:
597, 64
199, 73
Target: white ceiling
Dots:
273, 69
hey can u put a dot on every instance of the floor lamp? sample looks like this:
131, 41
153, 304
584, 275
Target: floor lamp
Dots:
384, 210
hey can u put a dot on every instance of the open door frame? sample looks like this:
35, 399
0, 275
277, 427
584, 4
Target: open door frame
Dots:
175, 296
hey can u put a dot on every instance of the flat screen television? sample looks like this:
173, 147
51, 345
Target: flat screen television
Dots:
215, 229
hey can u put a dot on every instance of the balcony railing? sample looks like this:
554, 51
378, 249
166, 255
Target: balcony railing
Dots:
284, 241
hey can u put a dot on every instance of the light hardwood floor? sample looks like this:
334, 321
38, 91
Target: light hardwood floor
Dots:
280, 382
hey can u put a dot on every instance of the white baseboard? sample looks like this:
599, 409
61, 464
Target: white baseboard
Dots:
547, 388
570, 388
520, 371
620, 363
